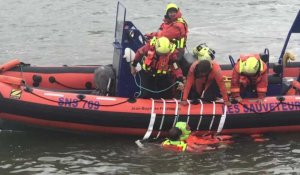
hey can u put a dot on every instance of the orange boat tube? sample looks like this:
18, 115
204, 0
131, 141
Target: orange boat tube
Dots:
11, 80
9, 65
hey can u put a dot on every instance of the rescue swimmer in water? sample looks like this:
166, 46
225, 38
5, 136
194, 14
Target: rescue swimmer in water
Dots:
181, 138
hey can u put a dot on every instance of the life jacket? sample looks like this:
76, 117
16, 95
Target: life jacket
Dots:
159, 65
207, 140
181, 43
174, 145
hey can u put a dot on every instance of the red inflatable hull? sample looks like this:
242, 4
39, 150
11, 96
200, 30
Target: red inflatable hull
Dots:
51, 99
116, 115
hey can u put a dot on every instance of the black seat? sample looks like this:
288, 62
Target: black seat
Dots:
274, 79
186, 62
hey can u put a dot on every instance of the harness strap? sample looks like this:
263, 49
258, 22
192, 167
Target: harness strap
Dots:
151, 123
214, 114
201, 112
163, 117
222, 120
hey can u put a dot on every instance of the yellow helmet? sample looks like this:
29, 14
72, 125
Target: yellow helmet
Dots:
250, 66
163, 46
202, 52
170, 6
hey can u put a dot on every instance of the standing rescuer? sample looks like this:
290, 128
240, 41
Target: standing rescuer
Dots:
174, 27
159, 67
249, 73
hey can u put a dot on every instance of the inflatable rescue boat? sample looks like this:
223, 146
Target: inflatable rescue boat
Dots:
81, 99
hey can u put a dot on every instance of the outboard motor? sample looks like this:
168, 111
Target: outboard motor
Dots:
105, 78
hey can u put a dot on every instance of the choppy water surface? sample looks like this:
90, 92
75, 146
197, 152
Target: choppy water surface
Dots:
28, 153
81, 32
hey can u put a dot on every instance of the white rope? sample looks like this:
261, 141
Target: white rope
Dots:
150, 127
151, 123
222, 120
201, 113
176, 112
163, 117
189, 112
214, 114
108, 87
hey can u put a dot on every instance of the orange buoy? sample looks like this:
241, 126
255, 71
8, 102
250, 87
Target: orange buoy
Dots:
9, 65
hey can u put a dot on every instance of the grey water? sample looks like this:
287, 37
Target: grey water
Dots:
76, 32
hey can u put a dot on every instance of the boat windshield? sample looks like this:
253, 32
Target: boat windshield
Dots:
120, 19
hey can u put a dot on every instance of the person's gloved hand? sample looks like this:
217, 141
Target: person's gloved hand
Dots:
184, 80
180, 86
238, 99
133, 70
227, 103
149, 36
184, 103
260, 100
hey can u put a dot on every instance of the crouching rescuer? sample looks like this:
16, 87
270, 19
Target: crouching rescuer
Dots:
249, 76
206, 78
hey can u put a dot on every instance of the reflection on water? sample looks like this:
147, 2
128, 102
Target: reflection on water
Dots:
56, 153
